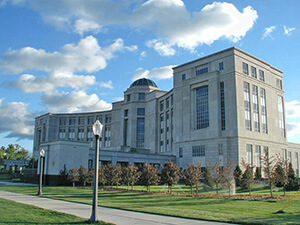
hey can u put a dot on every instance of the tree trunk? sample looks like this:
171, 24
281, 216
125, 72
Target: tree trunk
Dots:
73, 183
191, 189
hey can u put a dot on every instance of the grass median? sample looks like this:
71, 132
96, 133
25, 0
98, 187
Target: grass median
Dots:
208, 208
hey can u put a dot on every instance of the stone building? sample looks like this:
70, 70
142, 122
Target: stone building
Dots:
228, 105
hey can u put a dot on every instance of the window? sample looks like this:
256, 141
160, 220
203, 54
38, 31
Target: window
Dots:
128, 98
245, 68
279, 84
62, 133
290, 160
183, 76
107, 119
249, 154
62, 121
140, 132
255, 108
220, 149
221, 66
202, 71
161, 105
141, 111
263, 111
142, 96
297, 163
71, 133
198, 151
80, 133
258, 155
171, 99
125, 131
261, 75
107, 137
281, 116
180, 153
222, 101
167, 115
161, 130
253, 72
167, 103
90, 134
161, 118
247, 106
125, 112
72, 121
202, 114
81, 121
91, 120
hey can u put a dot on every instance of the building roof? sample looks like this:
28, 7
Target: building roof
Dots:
143, 82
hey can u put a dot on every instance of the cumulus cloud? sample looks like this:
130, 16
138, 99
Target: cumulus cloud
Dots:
86, 56
74, 102
161, 48
288, 30
107, 84
293, 128
267, 32
16, 119
160, 73
292, 109
171, 21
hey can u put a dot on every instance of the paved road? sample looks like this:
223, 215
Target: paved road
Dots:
116, 216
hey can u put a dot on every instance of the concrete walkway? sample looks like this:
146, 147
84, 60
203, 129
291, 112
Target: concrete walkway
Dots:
116, 216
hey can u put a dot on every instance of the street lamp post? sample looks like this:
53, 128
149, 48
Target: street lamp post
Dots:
97, 128
42, 155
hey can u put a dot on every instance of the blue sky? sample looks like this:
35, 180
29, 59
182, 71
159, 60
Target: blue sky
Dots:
73, 56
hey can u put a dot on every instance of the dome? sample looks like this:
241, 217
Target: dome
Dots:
143, 82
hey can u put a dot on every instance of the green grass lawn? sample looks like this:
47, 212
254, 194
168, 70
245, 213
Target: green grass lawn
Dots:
217, 209
16, 213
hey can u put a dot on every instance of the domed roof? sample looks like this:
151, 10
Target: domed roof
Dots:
143, 82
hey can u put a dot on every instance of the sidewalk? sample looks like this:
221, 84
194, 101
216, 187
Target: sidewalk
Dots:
116, 216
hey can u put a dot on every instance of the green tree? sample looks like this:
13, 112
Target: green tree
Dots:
83, 175
281, 176
149, 176
116, 175
192, 176
73, 176
131, 175
32, 163
170, 175
91, 176
63, 175
293, 181
247, 177
15, 152
238, 175
102, 175
107, 171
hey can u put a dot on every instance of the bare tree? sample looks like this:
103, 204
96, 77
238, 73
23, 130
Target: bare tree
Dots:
131, 175
73, 176
228, 175
248, 176
217, 174
102, 176
170, 175
91, 176
192, 176
116, 175
83, 175
149, 176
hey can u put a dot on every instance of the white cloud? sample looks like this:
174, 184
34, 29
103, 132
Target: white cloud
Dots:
82, 26
267, 32
288, 30
143, 54
107, 84
161, 48
170, 20
160, 73
16, 119
74, 102
293, 128
292, 109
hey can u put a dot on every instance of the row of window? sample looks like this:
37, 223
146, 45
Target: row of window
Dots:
254, 158
141, 97
253, 72
82, 120
165, 104
203, 71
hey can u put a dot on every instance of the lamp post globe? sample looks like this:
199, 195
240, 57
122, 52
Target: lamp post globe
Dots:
97, 129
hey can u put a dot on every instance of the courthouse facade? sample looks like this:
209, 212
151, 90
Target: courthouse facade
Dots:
228, 105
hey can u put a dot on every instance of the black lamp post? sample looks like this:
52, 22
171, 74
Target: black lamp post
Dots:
97, 128
42, 155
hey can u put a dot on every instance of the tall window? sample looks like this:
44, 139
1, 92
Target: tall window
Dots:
90, 134
202, 113
255, 108
249, 154
253, 72
125, 131
220, 149
263, 111
80, 133
261, 75
62, 121
107, 119
62, 133
72, 121
297, 163
71, 133
221, 66
258, 155
279, 84
245, 68
183, 76
81, 121
91, 120
198, 151
247, 106
281, 116
140, 132
222, 96
141, 111
107, 136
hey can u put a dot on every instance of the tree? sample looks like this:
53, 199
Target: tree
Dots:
228, 176
102, 175
73, 176
149, 176
131, 175
63, 175
238, 175
116, 175
91, 176
269, 164
257, 175
107, 171
280, 175
216, 174
293, 181
32, 163
15, 152
207, 180
192, 176
247, 177
83, 175
170, 175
